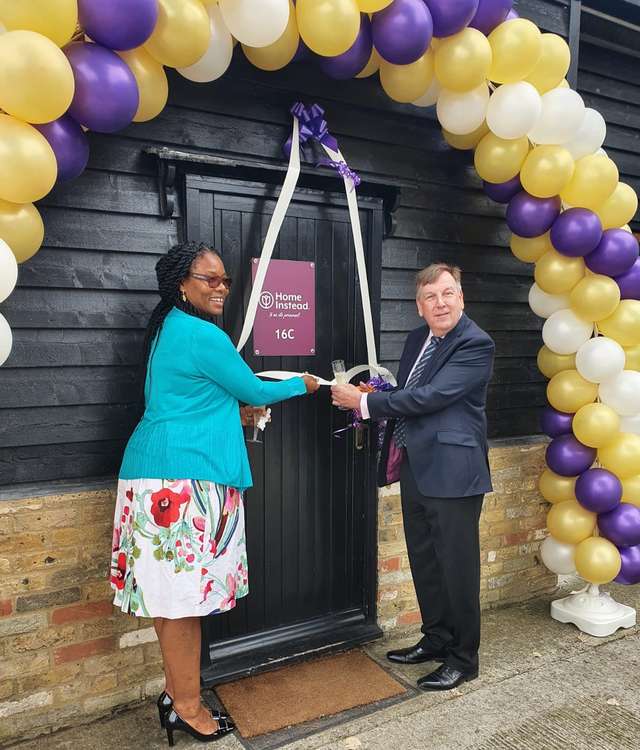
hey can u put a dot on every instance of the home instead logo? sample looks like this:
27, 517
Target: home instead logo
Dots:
281, 301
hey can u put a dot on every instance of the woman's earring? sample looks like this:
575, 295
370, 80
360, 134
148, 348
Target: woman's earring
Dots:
183, 295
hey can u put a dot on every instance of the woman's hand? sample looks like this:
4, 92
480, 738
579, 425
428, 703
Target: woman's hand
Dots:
310, 383
250, 415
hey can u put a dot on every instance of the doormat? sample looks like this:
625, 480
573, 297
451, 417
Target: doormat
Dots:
303, 692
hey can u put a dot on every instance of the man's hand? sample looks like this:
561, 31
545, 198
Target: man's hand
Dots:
347, 396
249, 415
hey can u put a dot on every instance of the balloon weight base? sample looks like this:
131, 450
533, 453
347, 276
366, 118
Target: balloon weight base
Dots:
593, 612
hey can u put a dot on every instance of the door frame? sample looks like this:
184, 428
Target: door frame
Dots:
248, 654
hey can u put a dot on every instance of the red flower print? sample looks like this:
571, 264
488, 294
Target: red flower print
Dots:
230, 600
207, 589
129, 494
117, 578
232, 500
199, 523
165, 506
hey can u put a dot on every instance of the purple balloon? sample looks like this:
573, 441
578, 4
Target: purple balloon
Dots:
630, 570
106, 96
555, 423
621, 525
512, 15
451, 17
615, 254
490, 14
303, 53
69, 144
118, 24
598, 490
502, 192
576, 232
568, 457
350, 63
629, 282
528, 216
402, 31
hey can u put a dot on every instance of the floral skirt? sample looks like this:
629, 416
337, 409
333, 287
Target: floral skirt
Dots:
178, 548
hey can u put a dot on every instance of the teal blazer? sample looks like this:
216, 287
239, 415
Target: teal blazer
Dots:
191, 425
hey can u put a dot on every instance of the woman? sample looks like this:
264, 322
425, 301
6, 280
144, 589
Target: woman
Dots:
179, 540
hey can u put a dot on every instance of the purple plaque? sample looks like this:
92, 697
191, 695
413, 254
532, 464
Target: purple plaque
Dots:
285, 324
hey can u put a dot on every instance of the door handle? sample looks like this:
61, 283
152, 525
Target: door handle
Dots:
360, 437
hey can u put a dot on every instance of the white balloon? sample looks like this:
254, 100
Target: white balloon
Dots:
590, 135
561, 116
599, 359
558, 556
514, 109
564, 332
257, 23
630, 424
622, 393
217, 58
6, 339
544, 304
431, 95
8, 270
462, 112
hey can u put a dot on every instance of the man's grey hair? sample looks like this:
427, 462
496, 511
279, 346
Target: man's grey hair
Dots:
432, 273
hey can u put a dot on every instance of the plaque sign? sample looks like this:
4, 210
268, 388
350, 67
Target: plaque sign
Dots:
285, 324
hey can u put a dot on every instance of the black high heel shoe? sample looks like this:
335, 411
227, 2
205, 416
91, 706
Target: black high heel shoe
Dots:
165, 704
173, 722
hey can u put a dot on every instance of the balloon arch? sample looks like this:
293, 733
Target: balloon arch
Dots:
498, 86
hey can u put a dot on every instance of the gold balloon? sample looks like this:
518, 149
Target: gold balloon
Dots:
468, 141
595, 297
516, 47
499, 160
621, 455
594, 180
182, 33
463, 60
55, 20
28, 167
558, 274
406, 83
564, 84
631, 490
632, 357
597, 560
330, 27
552, 65
550, 363
595, 425
36, 80
530, 249
281, 52
152, 83
570, 523
568, 391
373, 6
546, 171
624, 324
555, 488
372, 66
21, 227
619, 208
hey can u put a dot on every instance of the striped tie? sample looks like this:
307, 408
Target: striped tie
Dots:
400, 430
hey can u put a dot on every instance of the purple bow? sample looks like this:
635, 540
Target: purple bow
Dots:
313, 127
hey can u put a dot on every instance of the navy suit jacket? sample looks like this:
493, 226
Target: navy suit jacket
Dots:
446, 422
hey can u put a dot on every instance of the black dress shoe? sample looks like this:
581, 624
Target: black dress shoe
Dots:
165, 704
415, 655
445, 678
175, 723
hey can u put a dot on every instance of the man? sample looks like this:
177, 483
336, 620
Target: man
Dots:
436, 436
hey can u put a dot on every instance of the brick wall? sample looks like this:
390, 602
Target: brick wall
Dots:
67, 656
512, 527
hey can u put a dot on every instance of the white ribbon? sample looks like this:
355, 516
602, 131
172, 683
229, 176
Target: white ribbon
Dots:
282, 205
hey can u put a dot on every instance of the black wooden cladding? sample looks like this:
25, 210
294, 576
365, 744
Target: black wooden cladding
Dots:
77, 316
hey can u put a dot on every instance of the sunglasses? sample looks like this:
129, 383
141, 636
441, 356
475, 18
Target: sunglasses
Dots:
213, 281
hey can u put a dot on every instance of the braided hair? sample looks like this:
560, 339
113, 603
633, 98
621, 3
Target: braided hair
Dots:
171, 269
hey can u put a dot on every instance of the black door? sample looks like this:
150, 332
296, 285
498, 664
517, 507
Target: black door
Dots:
311, 514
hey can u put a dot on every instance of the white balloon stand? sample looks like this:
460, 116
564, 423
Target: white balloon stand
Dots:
593, 611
